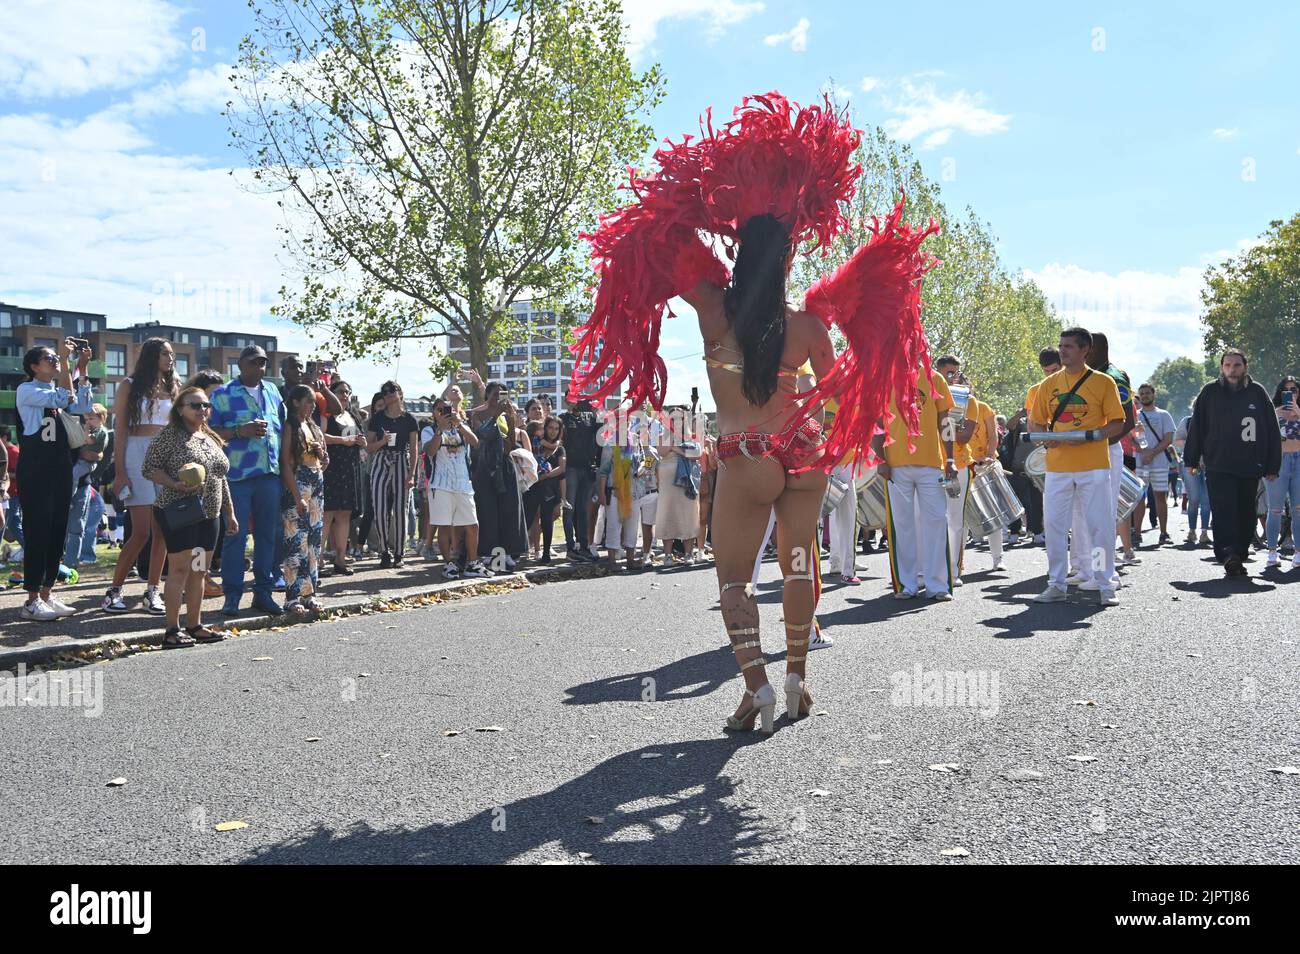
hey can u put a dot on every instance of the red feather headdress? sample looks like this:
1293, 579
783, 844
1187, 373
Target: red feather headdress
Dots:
772, 158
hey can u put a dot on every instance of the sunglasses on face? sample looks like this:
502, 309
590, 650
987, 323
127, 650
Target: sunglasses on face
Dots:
199, 405
51, 358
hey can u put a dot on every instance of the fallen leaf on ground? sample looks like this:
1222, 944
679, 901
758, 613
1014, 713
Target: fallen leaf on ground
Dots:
450, 732
884, 761
1193, 655
118, 782
1084, 702
584, 855
312, 738
245, 690
1109, 725
261, 659
958, 852
298, 649
1286, 770
945, 767
1083, 758
595, 819
231, 825
652, 755
818, 792
363, 675
490, 728
1023, 775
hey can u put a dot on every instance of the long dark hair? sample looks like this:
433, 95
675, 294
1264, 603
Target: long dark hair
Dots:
1277, 394
755, 304
146, 377
296, 394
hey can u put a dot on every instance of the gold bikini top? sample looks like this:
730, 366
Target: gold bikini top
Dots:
736, 367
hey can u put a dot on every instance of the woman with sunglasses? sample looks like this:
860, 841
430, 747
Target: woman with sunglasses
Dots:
1286, 399
394, 447
140, 411
45, 492
303, 460
188, 446
344, 434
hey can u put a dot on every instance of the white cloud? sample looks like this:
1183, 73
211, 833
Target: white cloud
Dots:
869, 83
1222, 133
840, 95
933, 117
797, 37
1148, 316
54, 48
201, 90
644, 16
92, 220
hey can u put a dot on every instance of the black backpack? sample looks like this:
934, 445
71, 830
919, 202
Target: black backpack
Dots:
580, 445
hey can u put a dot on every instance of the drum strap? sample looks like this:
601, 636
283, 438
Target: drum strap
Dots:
1060, 404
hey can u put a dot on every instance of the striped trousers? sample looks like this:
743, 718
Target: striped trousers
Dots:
388, 496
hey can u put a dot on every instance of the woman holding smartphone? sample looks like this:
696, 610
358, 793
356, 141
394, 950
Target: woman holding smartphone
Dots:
1286, 399
394, 446
45, 491
141, 410
303, 460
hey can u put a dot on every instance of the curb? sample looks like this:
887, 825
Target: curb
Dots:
107, 647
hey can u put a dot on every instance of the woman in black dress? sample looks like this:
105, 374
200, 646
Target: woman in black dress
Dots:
345, 438
543, 498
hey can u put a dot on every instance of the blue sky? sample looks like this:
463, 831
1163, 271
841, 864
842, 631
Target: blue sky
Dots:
1115, 152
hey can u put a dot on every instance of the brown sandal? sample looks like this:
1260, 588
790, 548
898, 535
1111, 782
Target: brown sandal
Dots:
202, 634
174, 639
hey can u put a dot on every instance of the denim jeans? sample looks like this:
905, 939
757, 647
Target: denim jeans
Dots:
1286, 485
1198, 501
94, 513
77, 512
257, 503
579, 484
14, 519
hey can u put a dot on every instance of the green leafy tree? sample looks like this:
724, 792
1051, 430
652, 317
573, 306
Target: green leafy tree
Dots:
1177, 382
1252, 302
437, 159
995, 321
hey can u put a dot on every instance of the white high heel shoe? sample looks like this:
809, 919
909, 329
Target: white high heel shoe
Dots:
794, 695
762, 704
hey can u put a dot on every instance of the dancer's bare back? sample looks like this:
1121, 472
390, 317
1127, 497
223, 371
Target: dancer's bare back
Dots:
806, 340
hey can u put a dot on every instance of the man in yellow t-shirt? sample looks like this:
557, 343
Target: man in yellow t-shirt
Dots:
915, 501
1078, 472
950, 367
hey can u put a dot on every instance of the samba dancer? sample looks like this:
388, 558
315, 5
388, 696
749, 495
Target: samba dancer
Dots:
767, 181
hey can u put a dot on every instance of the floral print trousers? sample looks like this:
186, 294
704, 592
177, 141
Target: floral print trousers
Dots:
302, 534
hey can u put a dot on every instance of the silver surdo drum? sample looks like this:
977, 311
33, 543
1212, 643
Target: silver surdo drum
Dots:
1036, 467
991, 504
1131, 491
871, 500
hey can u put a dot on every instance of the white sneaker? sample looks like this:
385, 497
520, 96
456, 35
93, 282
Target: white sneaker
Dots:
1090, 585
1076, 579
1273, 559
1130, 559
37, 611
60, 608
998, 566
943, 596
1295, 560
1051, 595
153, 601
113, 602
957, 581
1108, 598
819, 641
906, 595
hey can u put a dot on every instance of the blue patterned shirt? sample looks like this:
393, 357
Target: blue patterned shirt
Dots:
233, 405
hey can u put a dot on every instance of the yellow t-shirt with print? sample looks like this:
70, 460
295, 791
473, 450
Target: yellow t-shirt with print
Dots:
833, 406
1030, 398
978, 448
929, 447
1094, 405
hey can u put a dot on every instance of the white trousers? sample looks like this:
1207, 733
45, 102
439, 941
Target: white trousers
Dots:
994, 540
1116, 469
1089, 491
620, 534
957, 522
843, 524
917, 522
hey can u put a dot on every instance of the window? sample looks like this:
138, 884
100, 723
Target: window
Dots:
6, 319
47, 343
182, 337
544, 351
110, 392
115, 361
232, 369
545, 384
182, 366
546, 367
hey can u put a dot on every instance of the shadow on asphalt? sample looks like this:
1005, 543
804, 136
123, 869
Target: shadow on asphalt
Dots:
877, 610
688, 819
1220, 588
687, 678
1045, 619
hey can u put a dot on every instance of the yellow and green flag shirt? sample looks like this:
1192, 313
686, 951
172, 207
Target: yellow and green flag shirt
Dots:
1094, 405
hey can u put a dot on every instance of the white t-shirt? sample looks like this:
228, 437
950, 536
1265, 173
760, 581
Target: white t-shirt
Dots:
1156, 424
451, 464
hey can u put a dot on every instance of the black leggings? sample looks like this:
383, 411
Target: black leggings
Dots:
533, 503
45, 502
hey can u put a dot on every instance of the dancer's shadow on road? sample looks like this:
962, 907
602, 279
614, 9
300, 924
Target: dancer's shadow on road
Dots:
1014, 593
669, 809
873, 610
1221, 588
1045, 618
686, 678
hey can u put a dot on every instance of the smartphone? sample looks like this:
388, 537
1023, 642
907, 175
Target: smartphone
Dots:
1288, 397
81, 343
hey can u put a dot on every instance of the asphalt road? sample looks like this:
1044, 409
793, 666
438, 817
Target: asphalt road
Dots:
1193, 686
